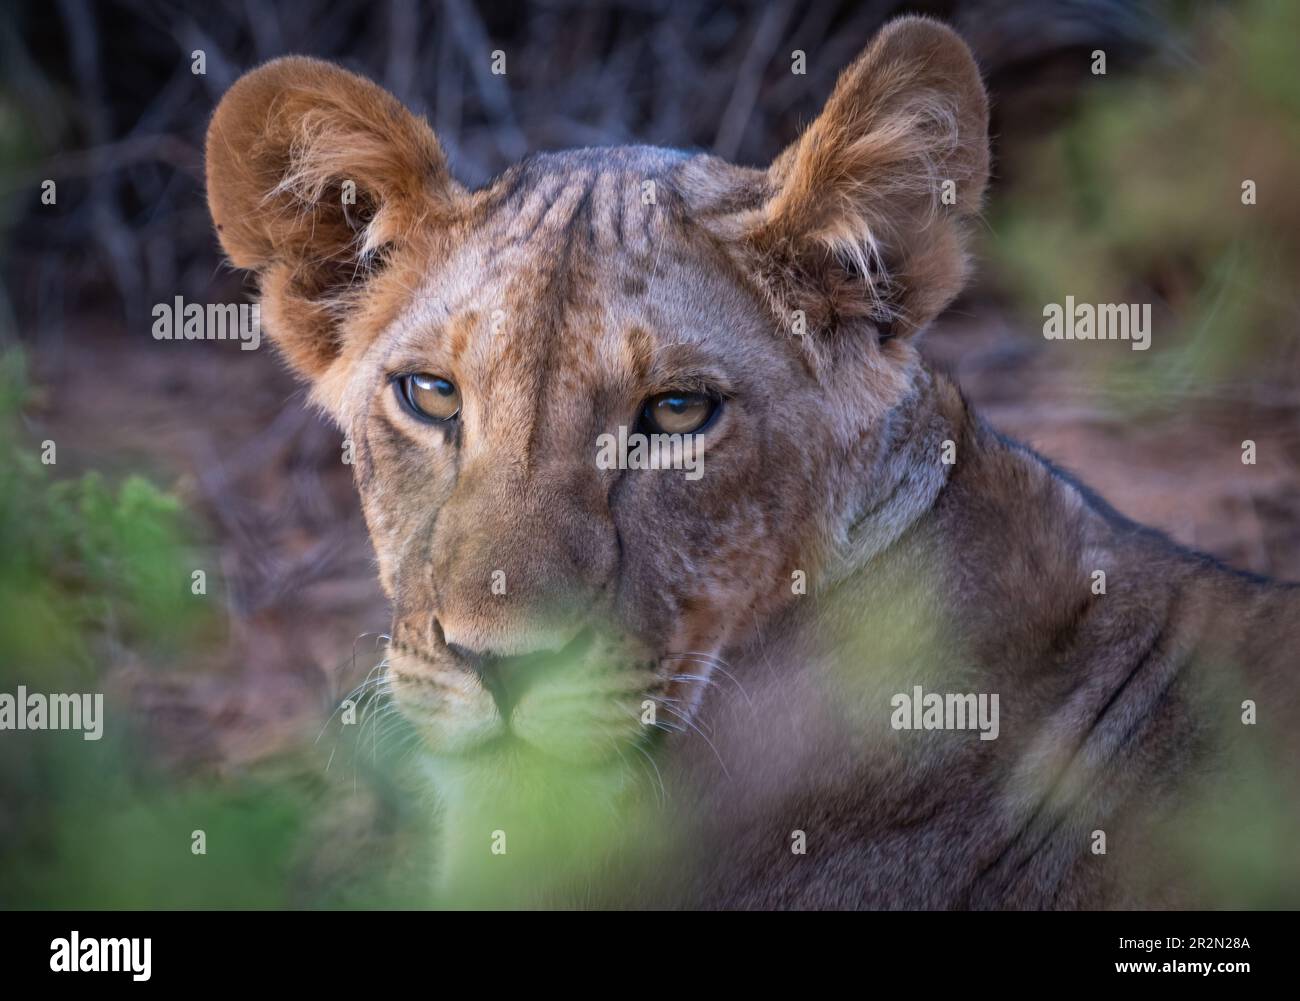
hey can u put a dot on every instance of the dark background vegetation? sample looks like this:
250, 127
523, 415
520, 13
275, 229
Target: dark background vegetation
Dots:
1119, 188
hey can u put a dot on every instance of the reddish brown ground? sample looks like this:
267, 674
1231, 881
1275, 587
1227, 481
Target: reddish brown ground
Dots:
229, 431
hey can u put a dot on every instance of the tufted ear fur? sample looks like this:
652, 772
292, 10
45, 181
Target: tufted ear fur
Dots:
850, 221
320, 182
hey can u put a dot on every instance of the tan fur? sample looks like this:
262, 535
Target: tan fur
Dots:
280, 146
557, 299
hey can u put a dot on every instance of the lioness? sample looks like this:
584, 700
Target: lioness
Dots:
741, 666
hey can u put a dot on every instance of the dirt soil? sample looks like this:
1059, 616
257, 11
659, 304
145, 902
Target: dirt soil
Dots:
230, 432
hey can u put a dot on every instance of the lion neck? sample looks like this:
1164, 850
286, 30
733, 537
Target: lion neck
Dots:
901, 474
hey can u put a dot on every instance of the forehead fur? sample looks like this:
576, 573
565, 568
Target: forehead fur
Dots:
595, 257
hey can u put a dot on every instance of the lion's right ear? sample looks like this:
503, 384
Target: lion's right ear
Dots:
317, 179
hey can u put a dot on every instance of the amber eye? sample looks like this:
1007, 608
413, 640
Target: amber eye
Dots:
678, 413
429, 396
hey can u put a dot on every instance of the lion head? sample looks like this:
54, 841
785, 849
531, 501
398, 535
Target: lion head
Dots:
486, 352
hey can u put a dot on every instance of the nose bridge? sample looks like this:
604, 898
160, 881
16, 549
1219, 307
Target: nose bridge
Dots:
521, 556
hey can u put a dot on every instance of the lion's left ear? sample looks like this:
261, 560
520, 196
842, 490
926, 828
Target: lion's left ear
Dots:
864, 213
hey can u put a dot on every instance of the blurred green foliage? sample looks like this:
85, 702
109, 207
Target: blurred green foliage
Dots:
1240, 835
91, 570
1139, 199
83, 558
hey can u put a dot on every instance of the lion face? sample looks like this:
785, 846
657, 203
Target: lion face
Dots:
506, 362
540, 590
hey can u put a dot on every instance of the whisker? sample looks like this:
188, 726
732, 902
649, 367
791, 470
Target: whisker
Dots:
721, 666
695, 677
717, 663
663, 791
703, 736
355, 695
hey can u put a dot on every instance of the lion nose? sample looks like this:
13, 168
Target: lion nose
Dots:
491, 671
502, 681
472, 658
506, 678
521, 638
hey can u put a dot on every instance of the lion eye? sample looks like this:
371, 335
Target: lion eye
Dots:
678, 413
430, 396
